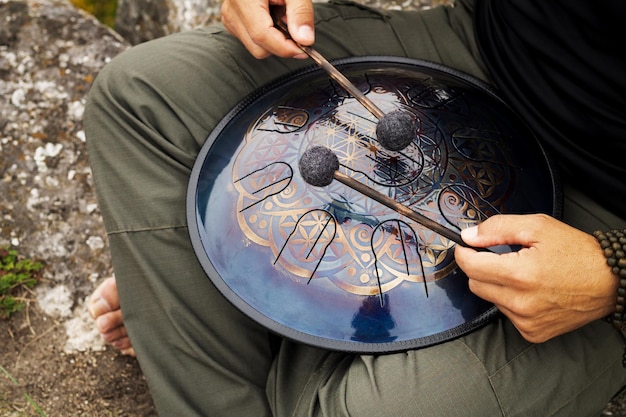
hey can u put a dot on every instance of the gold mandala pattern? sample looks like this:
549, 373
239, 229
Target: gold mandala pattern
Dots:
336, 236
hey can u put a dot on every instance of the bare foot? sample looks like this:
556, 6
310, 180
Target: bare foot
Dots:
104, 307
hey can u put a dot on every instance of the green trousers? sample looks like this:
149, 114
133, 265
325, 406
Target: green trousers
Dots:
151, 109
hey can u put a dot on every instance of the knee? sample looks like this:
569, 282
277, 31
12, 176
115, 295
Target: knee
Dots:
118, 81
108, 92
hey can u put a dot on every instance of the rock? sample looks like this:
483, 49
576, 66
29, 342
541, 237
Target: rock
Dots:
50, 53
142, 20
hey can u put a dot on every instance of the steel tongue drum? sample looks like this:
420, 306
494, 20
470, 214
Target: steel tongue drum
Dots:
322, 263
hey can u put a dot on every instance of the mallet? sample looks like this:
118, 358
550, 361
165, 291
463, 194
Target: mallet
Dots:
319, 166
394, 131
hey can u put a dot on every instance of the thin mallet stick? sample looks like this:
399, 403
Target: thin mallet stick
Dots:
399, 208
334, 73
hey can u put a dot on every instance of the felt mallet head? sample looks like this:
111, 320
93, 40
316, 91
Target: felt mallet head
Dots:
396, 130
317, 166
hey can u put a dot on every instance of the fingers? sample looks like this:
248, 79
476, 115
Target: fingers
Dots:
534, 322
248, 27
252, 23
511, 301
507, 229
300, 21
514, 268
517, 268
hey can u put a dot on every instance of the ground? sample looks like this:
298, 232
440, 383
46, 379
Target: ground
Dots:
44, 380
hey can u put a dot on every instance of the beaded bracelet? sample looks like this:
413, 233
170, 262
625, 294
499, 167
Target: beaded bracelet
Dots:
613, 243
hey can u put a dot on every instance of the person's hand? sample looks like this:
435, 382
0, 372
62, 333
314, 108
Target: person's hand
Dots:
251, 22
558, 282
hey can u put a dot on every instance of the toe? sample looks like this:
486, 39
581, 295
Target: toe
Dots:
104, 307
128, 352
115, 335
110, 321
104, 299
122, 344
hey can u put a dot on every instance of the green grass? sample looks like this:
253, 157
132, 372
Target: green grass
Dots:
29, 399
17, 274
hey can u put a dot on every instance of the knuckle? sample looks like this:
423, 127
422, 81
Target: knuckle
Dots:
258, 53
529, 331
542, 218
523, 308
256, 37
532, 337
302, 10
517, 307
537, 223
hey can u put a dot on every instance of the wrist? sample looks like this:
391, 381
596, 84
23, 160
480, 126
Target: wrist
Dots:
613, 244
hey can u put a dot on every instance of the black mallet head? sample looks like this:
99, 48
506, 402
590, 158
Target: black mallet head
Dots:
317, 166
396, 130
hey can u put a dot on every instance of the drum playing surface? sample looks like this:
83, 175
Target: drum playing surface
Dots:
329, 266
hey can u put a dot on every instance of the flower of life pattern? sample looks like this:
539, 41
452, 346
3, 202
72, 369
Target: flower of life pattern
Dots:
336, 235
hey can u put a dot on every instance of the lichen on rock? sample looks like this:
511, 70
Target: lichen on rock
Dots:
50, 53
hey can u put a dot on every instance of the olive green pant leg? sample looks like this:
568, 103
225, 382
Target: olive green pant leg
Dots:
148, 115
490, 372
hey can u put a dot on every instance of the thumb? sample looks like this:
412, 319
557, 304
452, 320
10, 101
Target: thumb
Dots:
501, 229
300, 20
